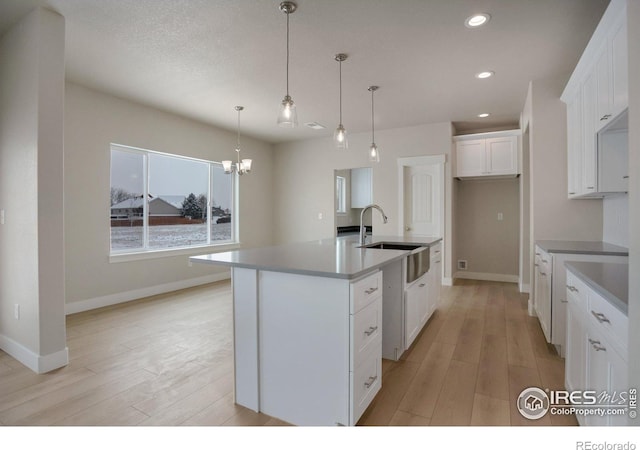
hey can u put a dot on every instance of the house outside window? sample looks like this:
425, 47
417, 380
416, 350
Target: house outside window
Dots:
162, 201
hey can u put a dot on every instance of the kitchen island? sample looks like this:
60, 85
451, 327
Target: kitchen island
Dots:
308, 325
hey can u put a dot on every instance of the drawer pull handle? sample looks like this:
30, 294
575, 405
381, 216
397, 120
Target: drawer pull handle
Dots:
601, 317
572, 288
370, 291
590, 187
536, 265
564, 301
626, 177
371, 330
597, 346
572, 193
438, 251
543, 274
370, 381
438, 261
544, 261
422, 285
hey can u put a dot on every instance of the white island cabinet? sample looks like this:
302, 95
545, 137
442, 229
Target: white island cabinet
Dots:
308, 328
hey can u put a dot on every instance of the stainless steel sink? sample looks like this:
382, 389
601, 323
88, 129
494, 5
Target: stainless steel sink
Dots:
417, 262
393, 246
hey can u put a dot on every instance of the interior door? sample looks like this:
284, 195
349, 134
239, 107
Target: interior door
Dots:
422, 199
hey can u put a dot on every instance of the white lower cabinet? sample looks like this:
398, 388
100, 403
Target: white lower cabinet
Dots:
416, 309
542, 290
596, 359
549, 298
422, 297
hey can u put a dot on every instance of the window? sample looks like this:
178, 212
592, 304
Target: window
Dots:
161, 201
341, 195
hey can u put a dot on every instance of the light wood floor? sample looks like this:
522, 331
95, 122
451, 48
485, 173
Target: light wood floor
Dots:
167, 360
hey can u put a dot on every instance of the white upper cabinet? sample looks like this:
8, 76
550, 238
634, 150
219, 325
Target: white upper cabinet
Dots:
361, 195
574, 145
597, 98
613, 73
488, 154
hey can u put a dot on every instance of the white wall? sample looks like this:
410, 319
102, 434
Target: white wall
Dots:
31, 191
554, 216
634, 194
615, 220
490, 246
305, 185
93, 121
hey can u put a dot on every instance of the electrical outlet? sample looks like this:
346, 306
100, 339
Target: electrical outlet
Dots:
500, 216
16, 311
462, 264
320, 216
1, 216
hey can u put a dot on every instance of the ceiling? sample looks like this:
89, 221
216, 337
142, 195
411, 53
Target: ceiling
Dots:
200, 58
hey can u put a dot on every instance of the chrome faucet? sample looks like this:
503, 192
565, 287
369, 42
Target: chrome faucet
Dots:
363, 236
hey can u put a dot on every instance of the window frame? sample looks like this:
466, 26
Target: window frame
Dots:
341, 195
145, 252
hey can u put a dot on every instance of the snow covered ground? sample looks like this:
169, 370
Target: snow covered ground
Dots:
168, 236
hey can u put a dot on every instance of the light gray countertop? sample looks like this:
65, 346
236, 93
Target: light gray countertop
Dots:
583, 248
336, 257
610, 280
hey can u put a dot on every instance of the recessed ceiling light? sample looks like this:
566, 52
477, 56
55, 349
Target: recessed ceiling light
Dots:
477, 20
485, 74
315, 125
484, 115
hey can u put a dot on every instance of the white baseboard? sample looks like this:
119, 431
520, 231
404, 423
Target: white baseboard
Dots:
525, 288
35, 362
122, 297
487, 276
447, 281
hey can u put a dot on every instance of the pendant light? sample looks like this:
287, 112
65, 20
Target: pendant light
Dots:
288, 117
374, 153
243, 166
340, 135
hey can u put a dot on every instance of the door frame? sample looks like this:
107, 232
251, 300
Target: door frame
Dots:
420, 161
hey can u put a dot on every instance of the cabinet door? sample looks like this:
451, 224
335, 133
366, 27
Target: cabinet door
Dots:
471, 159
415, 310
613, 161
502, 155
603, 87
619, 67
575, 358
574, 145
588, 181
435, 279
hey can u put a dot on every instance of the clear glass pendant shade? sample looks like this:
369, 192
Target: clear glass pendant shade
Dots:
288, 117
374, 153
340, 137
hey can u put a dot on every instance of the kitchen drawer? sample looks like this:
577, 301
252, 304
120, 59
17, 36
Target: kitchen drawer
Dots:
611, 322
367, 331
436, 254
365, 291
577, 292
366, 381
